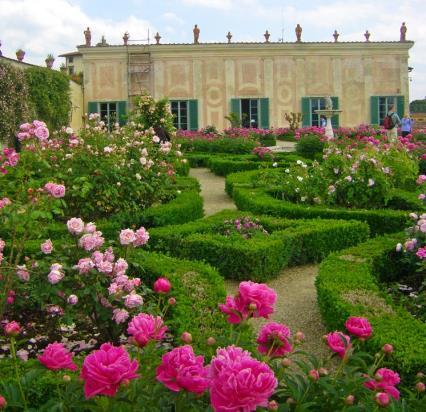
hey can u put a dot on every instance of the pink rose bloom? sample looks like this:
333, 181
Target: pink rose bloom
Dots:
22, 273
72, 299
421, 179
42, 133
421, 253
339, 343
12, 328
90, 242
162, 285
145, 328
58, 191
104, 267
252, 300
127, 236
133, 300
105, 369
84, 265
47, 247
4, 202
119, 315
239, 382
182, 369
55, 276
75, 226
90, 228
56, 357
120, 266
360, 327
273, 340
142, 237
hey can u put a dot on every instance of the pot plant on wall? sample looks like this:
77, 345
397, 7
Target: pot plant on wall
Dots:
49, 60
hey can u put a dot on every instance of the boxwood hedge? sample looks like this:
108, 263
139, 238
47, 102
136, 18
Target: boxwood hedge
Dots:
260, 258
348, 285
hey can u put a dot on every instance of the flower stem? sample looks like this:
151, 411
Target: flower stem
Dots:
18, 377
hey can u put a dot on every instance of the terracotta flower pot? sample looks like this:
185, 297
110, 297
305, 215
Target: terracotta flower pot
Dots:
20, 55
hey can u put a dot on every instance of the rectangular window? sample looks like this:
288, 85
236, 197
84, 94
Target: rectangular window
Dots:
252, 112
180, 114
108, 112
379, 107
384, 105
70, 59
309, 107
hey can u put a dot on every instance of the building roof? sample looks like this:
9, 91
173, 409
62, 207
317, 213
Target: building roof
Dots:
69, 54
18, 62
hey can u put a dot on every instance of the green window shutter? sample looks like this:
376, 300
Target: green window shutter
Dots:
92, 107
400, 106
122, 112
193, 114
374, 110
264, 113
236, 107
335, 119
306, 111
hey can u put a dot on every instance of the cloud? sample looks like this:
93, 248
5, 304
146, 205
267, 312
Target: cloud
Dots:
215, 4
173, 18
43, 26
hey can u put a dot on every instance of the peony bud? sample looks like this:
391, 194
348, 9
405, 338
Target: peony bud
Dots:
172, 301
66, 378
252, 307
286, 362
323, 371
387, 348
420, 387
313, 375
382, 399
211, 341
300, 336
162, 285
272, 406
3, 402
12, 329
186, 337
350, 399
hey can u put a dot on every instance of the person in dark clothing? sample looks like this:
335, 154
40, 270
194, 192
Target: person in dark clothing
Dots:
162, 134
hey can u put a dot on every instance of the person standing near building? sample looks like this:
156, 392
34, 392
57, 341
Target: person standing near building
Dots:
406, 125
391, 123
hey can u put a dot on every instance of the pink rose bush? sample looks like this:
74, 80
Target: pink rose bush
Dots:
104, 370
181, 369
252, 300
56, 357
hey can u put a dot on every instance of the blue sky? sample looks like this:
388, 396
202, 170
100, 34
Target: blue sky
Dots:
56, 26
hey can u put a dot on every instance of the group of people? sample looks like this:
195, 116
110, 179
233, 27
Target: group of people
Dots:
406, 124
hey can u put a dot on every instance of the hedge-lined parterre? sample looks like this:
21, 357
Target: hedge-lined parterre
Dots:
348, 284
261, 257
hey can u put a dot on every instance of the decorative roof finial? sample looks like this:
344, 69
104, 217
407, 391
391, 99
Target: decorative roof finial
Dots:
126, 38
267, 35
157, 38
298, 31
229, 36
336, 36
367, 36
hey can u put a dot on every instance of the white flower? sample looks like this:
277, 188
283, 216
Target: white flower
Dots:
108, 149
68, 130
370, 182
287, 170
138, 176
297, 190
303, 198
275, 164
299, 162
300, 178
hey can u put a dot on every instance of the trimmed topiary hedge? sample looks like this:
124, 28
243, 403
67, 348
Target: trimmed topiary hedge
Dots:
263, 256
221, 145
348, 285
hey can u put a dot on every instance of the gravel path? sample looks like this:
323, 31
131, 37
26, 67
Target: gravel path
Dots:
212, 191
297, 300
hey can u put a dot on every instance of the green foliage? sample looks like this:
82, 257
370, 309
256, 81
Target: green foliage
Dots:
403, 200
14, 103
348, 284
266, 139
234, 119
262, 256
294, 120
222, 145
418, 106
49, 95
310, 146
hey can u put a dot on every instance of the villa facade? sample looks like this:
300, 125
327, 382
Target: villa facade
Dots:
258, 81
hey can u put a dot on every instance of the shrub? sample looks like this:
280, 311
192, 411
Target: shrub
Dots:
221, 145
260, 257
310, 146
348, 284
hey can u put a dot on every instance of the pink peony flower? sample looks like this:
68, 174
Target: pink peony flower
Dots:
339, 343
12, 328
91, 241
273, 340
58, 191
142, 237
127, 236
382, 399
421, 253
120, 266
85, 265
105, 369
252, 300
90, 228
55, 276
145, 328
47, 247
75, 226
313, 374
42, 133
133, 300
120, 315
239, 382
22, 273
360, 327
57, 357
421, 196
162, 285
421, 179
182, 369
